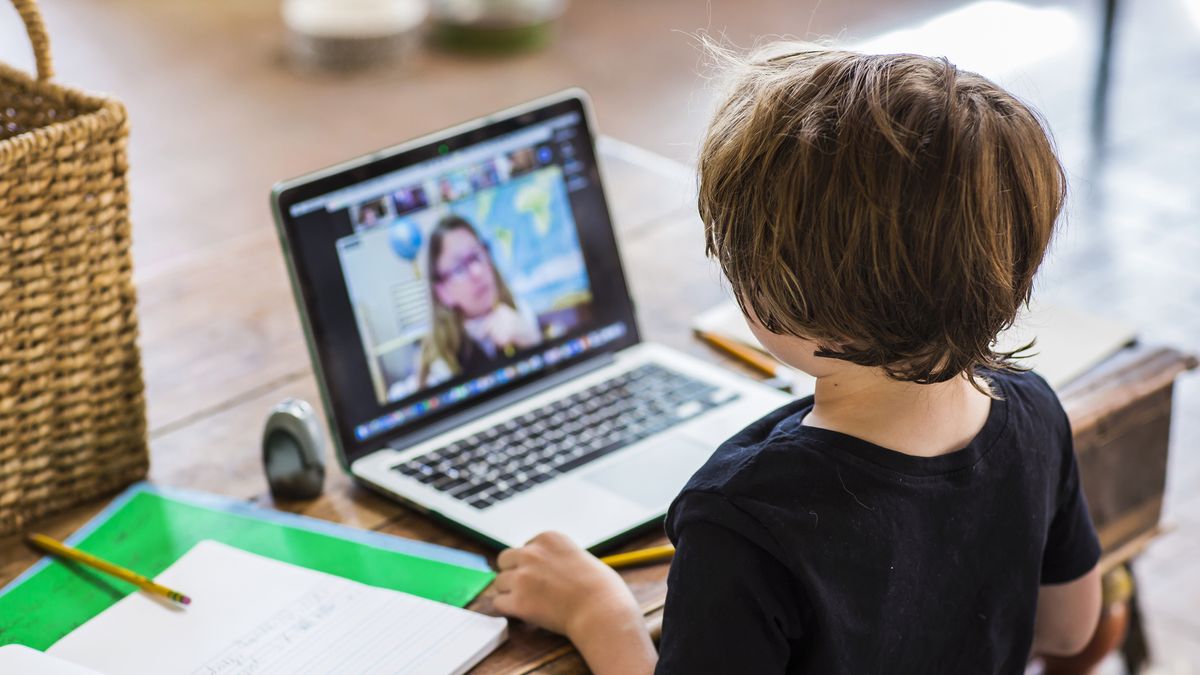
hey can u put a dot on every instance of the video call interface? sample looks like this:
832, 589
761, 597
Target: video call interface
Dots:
465, 268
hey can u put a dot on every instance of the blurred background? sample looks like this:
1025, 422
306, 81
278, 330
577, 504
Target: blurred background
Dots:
225, 99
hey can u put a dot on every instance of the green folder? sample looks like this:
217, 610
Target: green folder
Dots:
147, 528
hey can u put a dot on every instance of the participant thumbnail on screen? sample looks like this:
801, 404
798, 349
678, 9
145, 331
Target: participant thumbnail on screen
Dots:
479, 276
370, 214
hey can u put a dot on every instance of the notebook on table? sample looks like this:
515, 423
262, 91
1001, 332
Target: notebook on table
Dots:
254, 614
147, 528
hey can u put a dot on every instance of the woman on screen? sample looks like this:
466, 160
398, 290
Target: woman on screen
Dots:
475, 318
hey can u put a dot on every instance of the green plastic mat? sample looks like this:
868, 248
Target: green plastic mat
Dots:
146, 529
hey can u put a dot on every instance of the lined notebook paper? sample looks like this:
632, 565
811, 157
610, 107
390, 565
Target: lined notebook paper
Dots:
251, 614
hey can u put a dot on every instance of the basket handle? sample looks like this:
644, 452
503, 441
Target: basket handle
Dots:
32, 17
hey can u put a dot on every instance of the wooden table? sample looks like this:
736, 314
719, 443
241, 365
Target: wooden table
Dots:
204, 332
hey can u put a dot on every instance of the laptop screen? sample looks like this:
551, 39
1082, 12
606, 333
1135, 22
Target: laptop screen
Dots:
442, 274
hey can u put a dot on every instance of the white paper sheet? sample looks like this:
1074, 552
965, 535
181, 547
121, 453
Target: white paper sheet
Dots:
251, 614
21, 659
1069, 342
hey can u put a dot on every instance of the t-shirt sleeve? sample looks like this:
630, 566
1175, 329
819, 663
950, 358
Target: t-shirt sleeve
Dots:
1072, 548
730, 606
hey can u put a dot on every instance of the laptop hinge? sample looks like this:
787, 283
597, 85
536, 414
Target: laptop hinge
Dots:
504, 400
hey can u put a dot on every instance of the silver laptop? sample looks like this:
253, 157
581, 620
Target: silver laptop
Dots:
474, 339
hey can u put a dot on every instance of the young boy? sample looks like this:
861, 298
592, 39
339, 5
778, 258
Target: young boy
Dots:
880, 220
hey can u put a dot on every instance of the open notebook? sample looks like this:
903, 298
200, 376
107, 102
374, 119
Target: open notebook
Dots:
1068, 341
255, 614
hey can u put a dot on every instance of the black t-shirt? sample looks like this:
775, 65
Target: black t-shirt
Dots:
804, 550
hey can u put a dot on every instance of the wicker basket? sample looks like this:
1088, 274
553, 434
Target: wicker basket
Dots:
72, 411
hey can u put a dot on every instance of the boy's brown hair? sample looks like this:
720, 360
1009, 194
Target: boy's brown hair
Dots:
892, 208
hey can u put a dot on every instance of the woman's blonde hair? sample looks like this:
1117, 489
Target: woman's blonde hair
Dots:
890, 207
446, 335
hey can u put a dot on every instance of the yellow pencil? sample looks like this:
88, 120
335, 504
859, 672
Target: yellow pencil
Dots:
746, 354
61, 550
642, 557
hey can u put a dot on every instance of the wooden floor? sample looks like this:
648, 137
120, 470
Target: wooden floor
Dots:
217, 117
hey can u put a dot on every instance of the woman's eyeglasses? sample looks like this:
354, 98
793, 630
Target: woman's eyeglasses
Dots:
463, 267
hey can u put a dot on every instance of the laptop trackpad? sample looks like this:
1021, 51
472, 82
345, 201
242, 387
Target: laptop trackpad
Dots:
652, 476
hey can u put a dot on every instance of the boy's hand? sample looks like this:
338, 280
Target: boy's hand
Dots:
553, 583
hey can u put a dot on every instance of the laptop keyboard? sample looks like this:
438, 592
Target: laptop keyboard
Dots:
562, 436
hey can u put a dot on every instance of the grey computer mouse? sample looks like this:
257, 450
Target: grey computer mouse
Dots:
294, 451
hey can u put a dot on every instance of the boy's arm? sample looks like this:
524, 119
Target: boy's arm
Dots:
1067, 615
1069, 596
553, 583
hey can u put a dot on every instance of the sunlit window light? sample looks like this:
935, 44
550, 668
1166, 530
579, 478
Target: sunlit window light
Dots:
993, 38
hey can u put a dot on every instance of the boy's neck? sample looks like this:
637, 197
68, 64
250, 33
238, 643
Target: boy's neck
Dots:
915, 419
